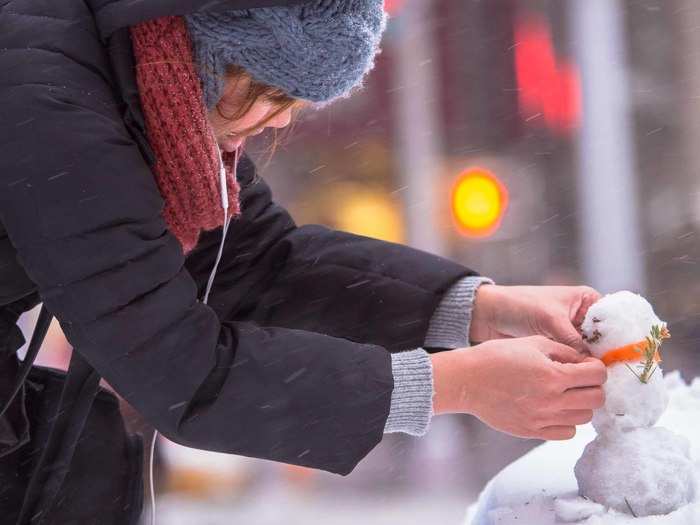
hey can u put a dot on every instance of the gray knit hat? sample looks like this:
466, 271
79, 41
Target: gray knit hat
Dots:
317, 51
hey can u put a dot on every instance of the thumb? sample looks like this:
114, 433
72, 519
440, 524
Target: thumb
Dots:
562, 353
563, 331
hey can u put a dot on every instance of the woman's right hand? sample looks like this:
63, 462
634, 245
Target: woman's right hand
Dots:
528, 387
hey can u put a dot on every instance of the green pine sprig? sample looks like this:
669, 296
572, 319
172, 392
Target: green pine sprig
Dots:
654, 341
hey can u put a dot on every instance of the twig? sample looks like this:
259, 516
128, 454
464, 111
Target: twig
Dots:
632, 370
652, 372
654, 341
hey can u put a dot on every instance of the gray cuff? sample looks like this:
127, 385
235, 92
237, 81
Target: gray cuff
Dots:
449, 326
412, 398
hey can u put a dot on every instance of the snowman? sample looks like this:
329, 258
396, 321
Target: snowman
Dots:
632, 466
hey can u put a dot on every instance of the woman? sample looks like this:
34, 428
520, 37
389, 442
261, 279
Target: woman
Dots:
313, 342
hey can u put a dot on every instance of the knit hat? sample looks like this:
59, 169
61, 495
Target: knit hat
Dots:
317, 51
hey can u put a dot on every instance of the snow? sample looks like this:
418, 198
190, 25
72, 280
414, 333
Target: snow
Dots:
576, 509
616, 320
644, 471
530, 490
630, 404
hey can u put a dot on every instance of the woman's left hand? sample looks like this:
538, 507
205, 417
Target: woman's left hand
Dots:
520, 311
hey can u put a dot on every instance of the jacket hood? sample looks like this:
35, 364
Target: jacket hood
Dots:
111, 15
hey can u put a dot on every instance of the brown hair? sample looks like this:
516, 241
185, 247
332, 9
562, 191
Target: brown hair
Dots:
254, 92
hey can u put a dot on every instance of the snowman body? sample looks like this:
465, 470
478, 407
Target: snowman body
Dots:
630, 404
631, 466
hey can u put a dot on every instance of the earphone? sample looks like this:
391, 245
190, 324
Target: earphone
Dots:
224, 205
227, 220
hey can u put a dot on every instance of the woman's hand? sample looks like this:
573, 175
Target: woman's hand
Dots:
529, 387
519, 311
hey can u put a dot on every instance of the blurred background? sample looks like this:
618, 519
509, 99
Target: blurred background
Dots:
539, 142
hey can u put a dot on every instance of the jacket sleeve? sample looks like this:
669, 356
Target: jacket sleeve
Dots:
81, 207
309, 277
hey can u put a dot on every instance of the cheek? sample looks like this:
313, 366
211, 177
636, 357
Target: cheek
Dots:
216, 122
222, 126
257, 113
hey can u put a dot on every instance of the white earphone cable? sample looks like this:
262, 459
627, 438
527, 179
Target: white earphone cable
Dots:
151, 478
210, 282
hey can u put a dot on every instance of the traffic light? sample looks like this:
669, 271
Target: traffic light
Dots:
547, 84
479, 201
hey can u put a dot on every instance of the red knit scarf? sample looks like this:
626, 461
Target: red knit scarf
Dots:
187, 162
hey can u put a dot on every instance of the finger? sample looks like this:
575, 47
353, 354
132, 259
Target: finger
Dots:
557, 433
590, 371
561, 353
570, 417
588, 398
589, 296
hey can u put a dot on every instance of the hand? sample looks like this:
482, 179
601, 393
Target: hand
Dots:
519, 311
529, 387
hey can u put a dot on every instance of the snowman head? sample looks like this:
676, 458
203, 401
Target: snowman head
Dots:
616, 320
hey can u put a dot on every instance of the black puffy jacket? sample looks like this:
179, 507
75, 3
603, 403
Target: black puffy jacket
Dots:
289, 361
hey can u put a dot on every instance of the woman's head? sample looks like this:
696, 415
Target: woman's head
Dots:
316, 51
253, 66
247, 107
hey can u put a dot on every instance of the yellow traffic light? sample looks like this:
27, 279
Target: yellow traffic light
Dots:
479, 201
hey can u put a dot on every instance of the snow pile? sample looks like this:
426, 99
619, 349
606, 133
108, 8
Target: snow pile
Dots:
576, 509
643, 472
540, 487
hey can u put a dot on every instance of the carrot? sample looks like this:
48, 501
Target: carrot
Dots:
631, 352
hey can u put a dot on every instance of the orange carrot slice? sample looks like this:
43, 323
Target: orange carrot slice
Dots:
631, 352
